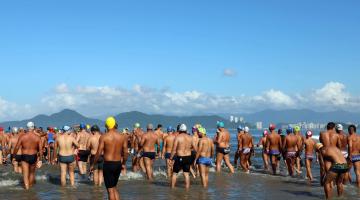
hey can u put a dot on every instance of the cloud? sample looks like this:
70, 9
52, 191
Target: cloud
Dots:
99, 100
229, 72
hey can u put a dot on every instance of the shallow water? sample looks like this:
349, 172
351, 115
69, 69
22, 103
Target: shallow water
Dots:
256, 185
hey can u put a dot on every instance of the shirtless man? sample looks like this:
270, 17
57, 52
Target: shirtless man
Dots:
354, 151
92, 145
50, 145
331, 156
82, 139
2, 143
246, 144
301, 139
237, 155
182, 149
31, 146
344, 148
16, 161
160, 134
137, 161
205, 152
65, 145
148, 142
290, 147
262, 144
274, 147
223, 148
114, 147
195, 132
168, 145
309, 153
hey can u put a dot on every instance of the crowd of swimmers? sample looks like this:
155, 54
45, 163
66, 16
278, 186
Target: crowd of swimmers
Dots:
107, 153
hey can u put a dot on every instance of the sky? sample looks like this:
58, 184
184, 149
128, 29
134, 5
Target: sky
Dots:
178, 57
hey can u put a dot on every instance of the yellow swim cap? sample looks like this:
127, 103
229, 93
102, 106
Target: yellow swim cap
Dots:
202, 130
110, 122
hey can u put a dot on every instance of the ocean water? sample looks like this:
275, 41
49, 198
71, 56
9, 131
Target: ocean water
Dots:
259, 184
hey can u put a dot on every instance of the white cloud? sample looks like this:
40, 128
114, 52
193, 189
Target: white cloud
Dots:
333, 93
11, 111
229, 72
279, 98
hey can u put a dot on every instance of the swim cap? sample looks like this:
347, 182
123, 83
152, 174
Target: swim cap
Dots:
137, 125
95, 128
30, 125
110, 122
272, 127
246, 129
202, 130
149, 127
182, 128
195, 129
289, 130
169, 129
88, 126
240, 128
15, 130
265, 133
339, 127
198, 126
56, 129
82, 126
309, 133
1, 128
280, 131
220, 125
297, 128
318, 146
66, 128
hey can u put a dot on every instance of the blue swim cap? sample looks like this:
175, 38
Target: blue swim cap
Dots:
289, 130
220, 125
82, 126
240, 128
170, 129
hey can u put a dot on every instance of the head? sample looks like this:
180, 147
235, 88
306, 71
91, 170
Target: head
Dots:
30, 126
240, 129
95, 129
82, 126
15, 130
1, 129
352, 129
297, 129
272, 127
195, 130
220, 125
182, 128
265, 133
280, 131
110, 123
67, 130
159, 127
289, 130
339, 128
202, 132
149, 127
309, 134
330, 126
137, 126
246, 129
169, 129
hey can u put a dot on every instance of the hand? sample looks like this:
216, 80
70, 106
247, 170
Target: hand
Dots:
39, 164
163, 157
91, 169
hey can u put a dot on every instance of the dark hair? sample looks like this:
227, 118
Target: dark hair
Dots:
352, 126
95, 128
178, 127
159, 126
330, 126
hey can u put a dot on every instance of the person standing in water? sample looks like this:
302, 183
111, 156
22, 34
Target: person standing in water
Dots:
246, 144
82, 139
93, 144
274, 147
344, 148
237, 155
223, 148
354, 151
301, 139
16, 161
3, 144
65, 144
290, 149
309, 153
205, 152
149, 140
262, 144
166, 154
114, 147
31, 158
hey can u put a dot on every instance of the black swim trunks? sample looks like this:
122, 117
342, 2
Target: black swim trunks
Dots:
340, 168
99, 164
83, 155
167, 155
66, 159
224, 151
31, 159
17, 158
182, 163
150, 155
112, 170
193, 156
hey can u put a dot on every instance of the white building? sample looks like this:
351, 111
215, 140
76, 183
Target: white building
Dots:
259, 125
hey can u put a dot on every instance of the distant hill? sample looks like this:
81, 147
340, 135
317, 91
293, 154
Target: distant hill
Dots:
293, 116
65, 117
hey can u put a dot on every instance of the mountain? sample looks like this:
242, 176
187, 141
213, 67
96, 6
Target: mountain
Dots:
65, 117
304, 115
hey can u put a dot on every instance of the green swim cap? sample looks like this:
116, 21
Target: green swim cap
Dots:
297, 128
137, 125
202, 130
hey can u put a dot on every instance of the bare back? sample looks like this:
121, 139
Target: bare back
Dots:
309, 145
30, 143
114, 145
94, 143
246, 140
274, 141
224, 139
82, 139
169, 143
183, 145
206, 147
149, 140
291, 143
65, 143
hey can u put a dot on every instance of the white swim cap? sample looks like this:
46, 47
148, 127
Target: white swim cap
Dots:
246, 129
183, 128
66, 128
15, 129
30, 125
339, 127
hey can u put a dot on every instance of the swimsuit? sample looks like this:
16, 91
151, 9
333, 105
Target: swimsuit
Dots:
224, 151
193, 156
167, 155
50, 138
31, 159
309, 157
112, 170
290, 154
66, 159
83, 155
182, 163
246, 150
150, 155
339, 168
355, 158
99, 164
17, 158
204, 161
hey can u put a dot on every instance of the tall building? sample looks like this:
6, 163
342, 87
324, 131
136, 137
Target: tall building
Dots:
259, 125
